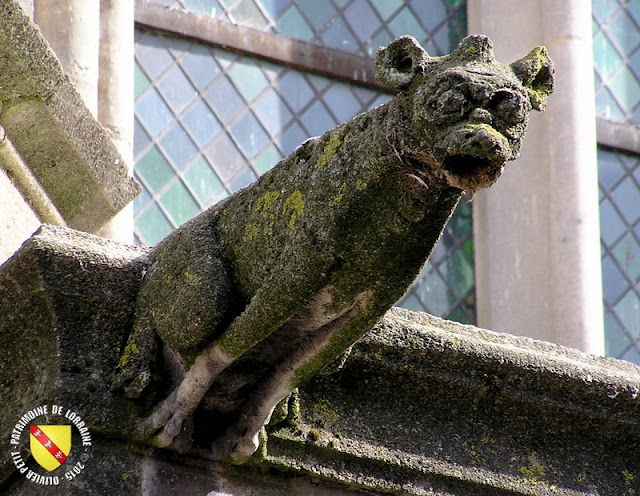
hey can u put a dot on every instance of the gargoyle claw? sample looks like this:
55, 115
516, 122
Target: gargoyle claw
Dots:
170, 419
132, 381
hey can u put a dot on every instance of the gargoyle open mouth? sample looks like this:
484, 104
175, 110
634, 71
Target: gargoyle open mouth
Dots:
471, 173
474, 156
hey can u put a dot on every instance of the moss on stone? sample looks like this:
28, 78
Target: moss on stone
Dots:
293, 208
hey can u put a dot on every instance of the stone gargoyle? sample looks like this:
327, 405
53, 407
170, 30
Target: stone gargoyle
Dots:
263, 290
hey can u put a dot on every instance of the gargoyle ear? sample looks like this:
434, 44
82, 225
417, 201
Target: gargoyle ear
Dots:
397, 64
536, 73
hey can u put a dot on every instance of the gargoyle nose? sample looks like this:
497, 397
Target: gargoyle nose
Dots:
481, 115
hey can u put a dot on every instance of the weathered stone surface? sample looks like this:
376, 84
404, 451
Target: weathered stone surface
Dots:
272, 284
421, 405
44, 117
67, 305
436, 407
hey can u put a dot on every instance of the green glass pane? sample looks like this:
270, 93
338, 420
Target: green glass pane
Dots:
460, 224
616, 340
293, 25
626, 88
247, 13
141, 82
154, 170
603, 9
152, 226
459, 315
178, 203
467, 246
607, 107
606, 57
248, 78
207, 7
460, 274
625, 33
203, 181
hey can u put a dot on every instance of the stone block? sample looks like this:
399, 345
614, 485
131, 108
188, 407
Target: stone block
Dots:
66, 149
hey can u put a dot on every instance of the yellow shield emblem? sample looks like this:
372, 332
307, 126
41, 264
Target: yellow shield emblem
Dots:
50, 445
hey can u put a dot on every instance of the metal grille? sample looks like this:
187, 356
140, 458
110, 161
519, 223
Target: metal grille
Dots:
616, 47
209, 122
354, 26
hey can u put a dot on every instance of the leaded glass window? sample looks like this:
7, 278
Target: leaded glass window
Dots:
616, 44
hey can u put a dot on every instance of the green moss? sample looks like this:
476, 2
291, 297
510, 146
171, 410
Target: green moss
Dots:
361, 185
129, 350
330, 148
266, 203
325, 413
192, 279
339, 195
293, 208
251, 232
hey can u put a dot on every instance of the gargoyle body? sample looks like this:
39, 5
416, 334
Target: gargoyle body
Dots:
272, 284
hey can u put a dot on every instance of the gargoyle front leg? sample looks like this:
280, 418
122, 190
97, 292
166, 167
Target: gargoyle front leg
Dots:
269, 309
182, 402
323, 345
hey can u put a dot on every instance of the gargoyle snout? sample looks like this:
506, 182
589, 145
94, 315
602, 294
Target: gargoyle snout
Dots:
481, 116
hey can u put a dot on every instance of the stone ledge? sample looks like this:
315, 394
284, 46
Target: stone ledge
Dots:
44, 118
421, 405
427, 406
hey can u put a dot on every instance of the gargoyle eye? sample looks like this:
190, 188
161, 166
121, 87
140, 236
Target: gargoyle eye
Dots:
507, 105
453, 102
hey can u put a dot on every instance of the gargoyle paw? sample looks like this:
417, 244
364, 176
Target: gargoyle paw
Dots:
132, 380
170, 419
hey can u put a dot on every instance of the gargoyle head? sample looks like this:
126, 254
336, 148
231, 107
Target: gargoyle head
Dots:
469, 111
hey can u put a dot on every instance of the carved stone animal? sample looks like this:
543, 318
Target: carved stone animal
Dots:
286, 274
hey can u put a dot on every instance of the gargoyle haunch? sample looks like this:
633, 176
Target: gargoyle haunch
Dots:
264, 289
